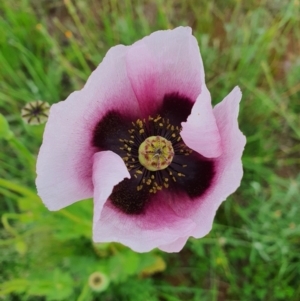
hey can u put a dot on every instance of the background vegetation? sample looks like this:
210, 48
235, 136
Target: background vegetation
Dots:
49, 48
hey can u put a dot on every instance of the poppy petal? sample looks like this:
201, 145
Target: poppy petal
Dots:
108, 170
159, 226
65, 160
163, 63
228, 166
200, 132
175, 246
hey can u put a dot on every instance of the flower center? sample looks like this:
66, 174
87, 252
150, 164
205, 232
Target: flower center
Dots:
156, 153
151, 153
186, 172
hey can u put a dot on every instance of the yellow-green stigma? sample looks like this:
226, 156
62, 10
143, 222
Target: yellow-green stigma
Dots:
156, 153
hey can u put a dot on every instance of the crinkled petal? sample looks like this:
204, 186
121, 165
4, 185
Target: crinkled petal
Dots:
200, 132
159, 226
64, 165
108, 170
175, 246
165, 62
229, 170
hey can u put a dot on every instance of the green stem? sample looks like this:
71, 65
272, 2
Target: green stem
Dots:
23, 151
19, 189
85, 293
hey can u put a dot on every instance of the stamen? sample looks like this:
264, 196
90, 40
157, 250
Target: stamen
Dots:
149, 151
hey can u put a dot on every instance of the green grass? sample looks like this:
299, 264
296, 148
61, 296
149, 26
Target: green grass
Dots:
49, 48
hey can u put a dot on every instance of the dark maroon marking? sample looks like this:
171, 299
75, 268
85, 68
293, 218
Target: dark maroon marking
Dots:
199, 172
126, 197
112, 127
176, 108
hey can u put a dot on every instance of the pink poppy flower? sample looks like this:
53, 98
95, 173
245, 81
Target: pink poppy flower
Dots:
143, 140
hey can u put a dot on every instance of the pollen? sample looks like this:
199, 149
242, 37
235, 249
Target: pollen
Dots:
156, 153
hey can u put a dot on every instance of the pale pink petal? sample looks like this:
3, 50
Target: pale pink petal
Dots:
175, 246
229, 170
64, 165
158, 227
142, 71
108, 170
200, 132
165, 62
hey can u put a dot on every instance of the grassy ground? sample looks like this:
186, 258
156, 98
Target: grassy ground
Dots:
48, 49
